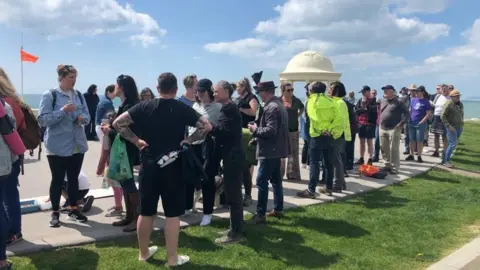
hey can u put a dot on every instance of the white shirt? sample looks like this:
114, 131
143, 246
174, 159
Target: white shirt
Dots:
439, 105
211, 111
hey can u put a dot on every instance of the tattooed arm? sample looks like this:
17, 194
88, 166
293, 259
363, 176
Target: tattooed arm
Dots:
203, 128
121, 124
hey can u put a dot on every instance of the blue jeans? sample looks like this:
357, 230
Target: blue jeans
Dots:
11, 200
452, 137
321, 150
416, 132
269, 170
377, 143
3, 221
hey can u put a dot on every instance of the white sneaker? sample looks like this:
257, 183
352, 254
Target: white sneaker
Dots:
206, 220
181, 259
151, 251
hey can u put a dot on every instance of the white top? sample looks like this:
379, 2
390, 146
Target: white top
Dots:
83, 183
211, 111
439, 104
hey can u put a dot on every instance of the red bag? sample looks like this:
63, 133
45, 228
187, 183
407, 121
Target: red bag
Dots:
368, 170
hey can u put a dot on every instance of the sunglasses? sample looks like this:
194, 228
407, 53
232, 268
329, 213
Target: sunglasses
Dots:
289, 90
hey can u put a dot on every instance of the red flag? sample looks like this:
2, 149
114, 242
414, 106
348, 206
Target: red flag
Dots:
26, 57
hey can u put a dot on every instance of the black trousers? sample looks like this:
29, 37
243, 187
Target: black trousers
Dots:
247, 179
305, 152
59, 166
232, 181
90, 129
350, 153
211, 160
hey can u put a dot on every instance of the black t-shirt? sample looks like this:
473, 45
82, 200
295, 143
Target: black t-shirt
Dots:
244, 102
161, 123
228, 131
293, 114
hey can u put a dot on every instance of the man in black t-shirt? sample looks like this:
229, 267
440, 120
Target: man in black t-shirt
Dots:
161, 123
228, 145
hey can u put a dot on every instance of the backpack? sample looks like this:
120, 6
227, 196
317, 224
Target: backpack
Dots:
31, 136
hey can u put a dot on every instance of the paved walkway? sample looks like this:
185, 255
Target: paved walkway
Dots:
465, 258
38, 236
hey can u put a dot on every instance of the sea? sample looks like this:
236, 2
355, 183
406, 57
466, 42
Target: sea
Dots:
471, 107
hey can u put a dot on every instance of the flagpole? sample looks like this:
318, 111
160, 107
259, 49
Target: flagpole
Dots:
21, 63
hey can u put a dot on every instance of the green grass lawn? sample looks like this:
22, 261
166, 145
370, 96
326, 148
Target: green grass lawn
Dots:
407, 226
467, 156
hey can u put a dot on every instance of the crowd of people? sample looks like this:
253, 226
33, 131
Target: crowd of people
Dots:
187, 147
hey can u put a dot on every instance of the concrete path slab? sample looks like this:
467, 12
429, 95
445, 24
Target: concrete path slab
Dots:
38, 236
465, 258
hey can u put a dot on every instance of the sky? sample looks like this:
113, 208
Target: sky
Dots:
371, 42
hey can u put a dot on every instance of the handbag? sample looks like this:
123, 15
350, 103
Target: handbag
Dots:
119, 168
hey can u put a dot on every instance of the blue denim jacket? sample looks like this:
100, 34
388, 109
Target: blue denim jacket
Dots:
104, 106
62, 135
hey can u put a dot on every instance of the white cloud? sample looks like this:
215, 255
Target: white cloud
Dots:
421, 6
350, 28
366, 60
455, 63
63, 18
248, 47
78, 44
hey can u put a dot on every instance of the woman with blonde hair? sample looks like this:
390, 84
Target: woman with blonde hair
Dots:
248, 105
11, 200
63, 111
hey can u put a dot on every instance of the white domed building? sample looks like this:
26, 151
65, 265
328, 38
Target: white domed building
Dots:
309, 66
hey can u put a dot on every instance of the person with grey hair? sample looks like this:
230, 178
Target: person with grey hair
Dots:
228, 146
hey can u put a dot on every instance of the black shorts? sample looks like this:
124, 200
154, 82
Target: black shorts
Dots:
438, 127
366, 131
167, 183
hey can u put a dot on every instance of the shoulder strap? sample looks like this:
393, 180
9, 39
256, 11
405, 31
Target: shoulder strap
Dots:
80, 96
54, 98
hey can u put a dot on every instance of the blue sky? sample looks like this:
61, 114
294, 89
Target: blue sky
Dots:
373, 42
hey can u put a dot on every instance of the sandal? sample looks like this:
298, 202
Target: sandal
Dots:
181, 260
151, 251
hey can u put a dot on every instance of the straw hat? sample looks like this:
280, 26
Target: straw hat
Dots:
454, 93
412, 87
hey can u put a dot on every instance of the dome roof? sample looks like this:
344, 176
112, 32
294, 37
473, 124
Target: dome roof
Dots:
309, 62
309, 66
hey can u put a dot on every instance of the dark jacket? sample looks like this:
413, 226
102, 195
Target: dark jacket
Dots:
352, 117
370, 108
272, 133
92, 102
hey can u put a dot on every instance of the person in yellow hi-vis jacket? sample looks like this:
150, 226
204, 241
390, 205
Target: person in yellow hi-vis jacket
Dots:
338, 92
325, 127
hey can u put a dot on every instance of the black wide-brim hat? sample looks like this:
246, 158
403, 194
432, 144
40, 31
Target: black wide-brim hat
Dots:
264, 86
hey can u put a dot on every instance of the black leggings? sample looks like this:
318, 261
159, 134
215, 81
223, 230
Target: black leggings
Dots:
59, 166
212, 167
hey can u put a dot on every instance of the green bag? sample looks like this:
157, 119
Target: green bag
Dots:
119, 168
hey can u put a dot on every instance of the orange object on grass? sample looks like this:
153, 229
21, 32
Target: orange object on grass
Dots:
368, 170
26, 57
